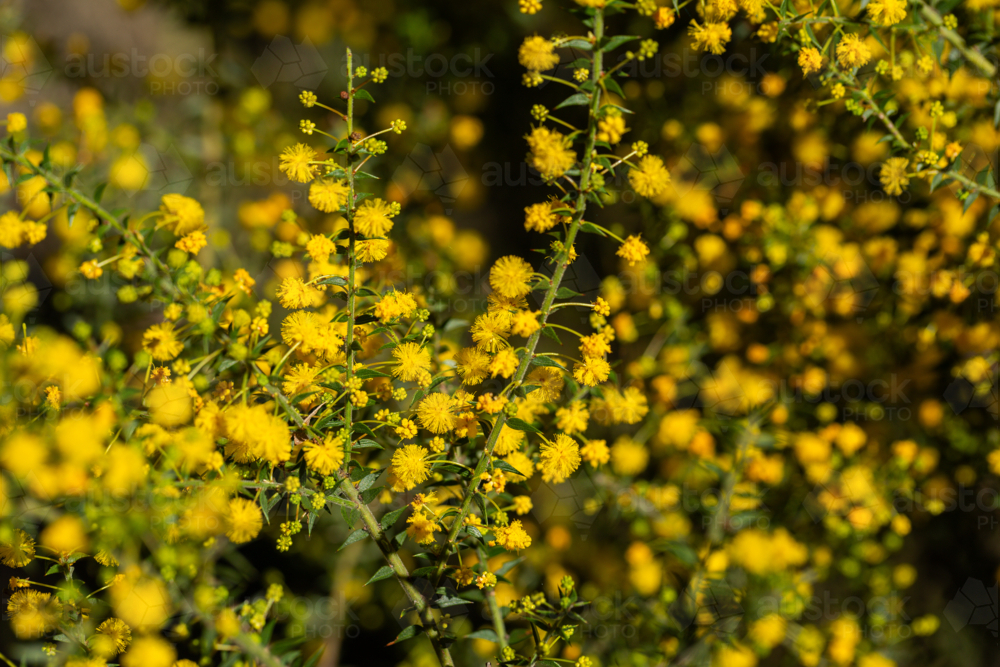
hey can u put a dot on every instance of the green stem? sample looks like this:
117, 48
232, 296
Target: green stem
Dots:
351, 262
499, 627
86, 202
973, 56
400, 571
562, 262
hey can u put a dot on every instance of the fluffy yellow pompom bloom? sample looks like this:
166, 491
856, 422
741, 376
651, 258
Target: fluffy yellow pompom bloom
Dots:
325, 457
374, 218
473, 365
559, 459
650, 177
19, 551
893, 175
117, 635
711, 37
243, 521
537, 54
887, 12
328, 194
192, 243
551, 153
524, 323
633, 250
395, 304
294, 293
11, 230
490, 331
504, 363
372, 250
161, 342
539, 217
409, 465
320, 247
412, 361
437, 413
511, 276
32, 613
852, 52
592, 371
255, 433
295, 162
596, 452
513, 537
810, 60
182, 215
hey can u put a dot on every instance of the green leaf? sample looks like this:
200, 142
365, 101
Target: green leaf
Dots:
579, 99
506, 467
566, 293
591, 228
581, 44
546, 361
508, 566
333, 280
969, 201
367, 443
390, 518
356, 536
407, 633
551, 333
617, 41
367, 374
614, 87
362, 94
485, 633
521, 425
446, 601
384, 572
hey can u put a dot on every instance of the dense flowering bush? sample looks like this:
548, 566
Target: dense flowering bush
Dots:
716, 428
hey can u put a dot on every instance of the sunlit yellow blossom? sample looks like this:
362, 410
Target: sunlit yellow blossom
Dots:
893, 175
511, 276
328, 194
243, 521
374, 218
887, 12
650, 177
326, 456
852, 51
295, 163
559, 459
409, 464
810, 60
412, 361
711, 37
436, 413
160, 340
551, 152
537, 54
